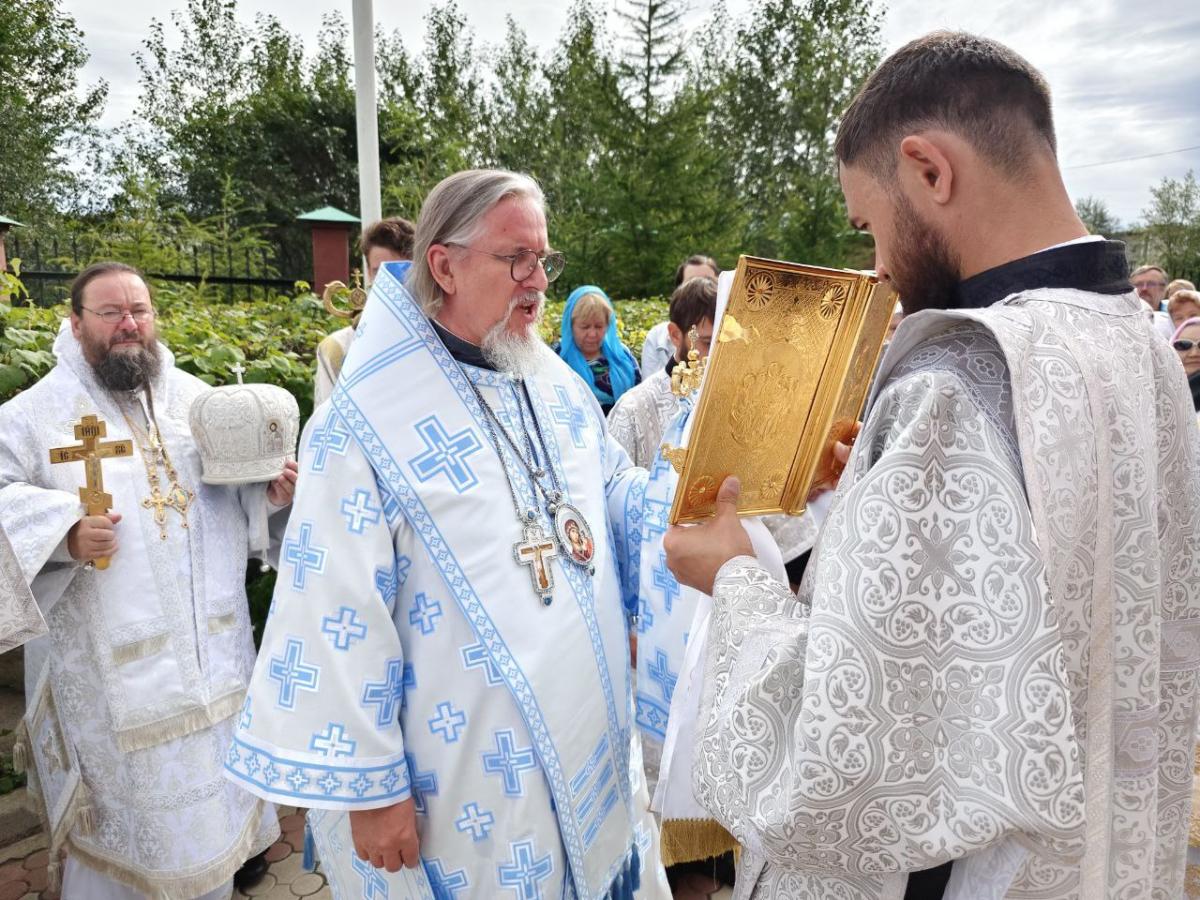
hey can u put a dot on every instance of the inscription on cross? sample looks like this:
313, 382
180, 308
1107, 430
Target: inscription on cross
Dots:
90, 451
536, 551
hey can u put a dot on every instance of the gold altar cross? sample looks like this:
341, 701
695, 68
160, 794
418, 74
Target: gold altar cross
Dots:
91, 451
536, 551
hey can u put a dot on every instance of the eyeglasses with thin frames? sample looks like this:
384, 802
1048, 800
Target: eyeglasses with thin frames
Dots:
523, 263
1183, 345
113, 316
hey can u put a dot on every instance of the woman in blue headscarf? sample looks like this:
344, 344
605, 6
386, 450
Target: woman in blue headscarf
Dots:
590, 345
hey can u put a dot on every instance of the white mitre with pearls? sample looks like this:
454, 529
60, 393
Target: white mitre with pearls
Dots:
244, 432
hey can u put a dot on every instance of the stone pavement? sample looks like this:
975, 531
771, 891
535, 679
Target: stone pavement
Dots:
23, 870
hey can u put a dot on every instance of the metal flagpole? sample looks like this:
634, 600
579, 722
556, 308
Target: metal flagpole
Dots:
370, 206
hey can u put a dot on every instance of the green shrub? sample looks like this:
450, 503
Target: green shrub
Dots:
275, 341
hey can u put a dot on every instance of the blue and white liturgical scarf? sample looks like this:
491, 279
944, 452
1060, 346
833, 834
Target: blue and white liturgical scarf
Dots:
407, 653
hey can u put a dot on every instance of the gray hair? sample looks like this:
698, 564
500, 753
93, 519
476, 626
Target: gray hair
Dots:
451, 214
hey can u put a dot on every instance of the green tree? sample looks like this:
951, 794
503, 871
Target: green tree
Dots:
793, 68
1173, 225
432, 118
238, 110
46, 118
656, 49
664, 171
1096, 216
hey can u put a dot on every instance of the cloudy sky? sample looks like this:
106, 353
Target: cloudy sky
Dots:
1125, 75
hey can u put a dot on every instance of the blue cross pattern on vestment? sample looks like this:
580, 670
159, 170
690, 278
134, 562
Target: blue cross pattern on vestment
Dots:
329, 783
297, 779
422, 784
478, 822
304, 556
445, 454
448, 722
665, 581
656, 519
389, 581
292, 672
508, 761
360, 512
345, 629
525, 872
374, 884
659, 466
388, 694
329, 438
424, 613
446, 885
333, 741
476, 656
567, 413
660, 672
244, 721
645, 615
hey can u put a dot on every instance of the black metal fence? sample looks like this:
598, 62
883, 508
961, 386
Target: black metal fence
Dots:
50, 264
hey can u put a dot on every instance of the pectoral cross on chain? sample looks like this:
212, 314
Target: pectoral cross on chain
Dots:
91, 451
536, 551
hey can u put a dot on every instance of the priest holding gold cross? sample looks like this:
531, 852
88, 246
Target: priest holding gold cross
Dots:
138, 566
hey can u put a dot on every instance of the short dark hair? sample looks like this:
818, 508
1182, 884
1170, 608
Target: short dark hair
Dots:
975, 87
696, 259
94, 271
394, 233
692, 302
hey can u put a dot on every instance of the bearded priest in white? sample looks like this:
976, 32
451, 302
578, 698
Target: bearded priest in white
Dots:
444, 680
133, 694
987, 688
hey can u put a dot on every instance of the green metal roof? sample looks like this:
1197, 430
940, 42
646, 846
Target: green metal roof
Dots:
329, 214
5, 221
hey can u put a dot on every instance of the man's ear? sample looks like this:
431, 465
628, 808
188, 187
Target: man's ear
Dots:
675, 334
76, 325
926, 168
438, 258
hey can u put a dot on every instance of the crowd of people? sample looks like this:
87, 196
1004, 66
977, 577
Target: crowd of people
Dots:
491, 668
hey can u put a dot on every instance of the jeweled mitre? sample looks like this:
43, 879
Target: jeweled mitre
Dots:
245, 432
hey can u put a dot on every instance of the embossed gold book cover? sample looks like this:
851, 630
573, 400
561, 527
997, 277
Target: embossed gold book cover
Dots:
788, 376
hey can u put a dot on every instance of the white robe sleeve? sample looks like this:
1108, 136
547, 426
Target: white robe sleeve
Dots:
20, 618
36, 519
321, 723
625, 490
921, 713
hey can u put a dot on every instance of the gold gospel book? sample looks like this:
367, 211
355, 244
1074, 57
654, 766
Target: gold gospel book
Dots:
787, 377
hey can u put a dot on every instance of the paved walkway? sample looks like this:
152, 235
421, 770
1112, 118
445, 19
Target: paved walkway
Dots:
23, 870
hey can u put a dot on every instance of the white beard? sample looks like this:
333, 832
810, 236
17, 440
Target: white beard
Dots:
519, 355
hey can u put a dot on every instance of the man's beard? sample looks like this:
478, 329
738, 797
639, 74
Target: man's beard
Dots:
924, 271
520, 354
124, 369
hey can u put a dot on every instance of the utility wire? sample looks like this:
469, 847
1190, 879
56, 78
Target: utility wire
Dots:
1110, 162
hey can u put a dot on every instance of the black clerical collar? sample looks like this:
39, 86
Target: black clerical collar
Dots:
1096, 266
464, 351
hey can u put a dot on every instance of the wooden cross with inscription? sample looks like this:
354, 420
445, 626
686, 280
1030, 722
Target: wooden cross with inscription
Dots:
91, 451
536, 551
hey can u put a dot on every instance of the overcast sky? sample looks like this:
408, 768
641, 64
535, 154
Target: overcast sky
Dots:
1125, 75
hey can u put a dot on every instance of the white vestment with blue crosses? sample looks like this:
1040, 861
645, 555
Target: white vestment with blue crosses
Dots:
667, 609
407, 653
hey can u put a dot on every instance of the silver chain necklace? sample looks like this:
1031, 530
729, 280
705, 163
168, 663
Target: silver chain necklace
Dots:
574, 538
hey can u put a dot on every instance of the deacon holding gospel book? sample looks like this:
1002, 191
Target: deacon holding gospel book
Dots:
987, 685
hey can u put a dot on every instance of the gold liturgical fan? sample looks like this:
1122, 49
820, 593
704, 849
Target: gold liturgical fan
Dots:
788, 376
